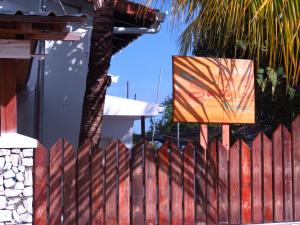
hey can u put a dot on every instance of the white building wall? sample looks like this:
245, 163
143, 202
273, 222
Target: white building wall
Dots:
116, 128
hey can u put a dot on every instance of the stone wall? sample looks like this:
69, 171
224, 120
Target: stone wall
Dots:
16, 186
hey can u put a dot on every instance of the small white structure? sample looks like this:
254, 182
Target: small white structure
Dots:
119, 116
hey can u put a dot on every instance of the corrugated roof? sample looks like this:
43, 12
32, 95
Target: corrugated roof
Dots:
127, 14
41, 17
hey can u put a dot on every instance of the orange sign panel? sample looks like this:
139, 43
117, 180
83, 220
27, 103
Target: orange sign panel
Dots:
213, 90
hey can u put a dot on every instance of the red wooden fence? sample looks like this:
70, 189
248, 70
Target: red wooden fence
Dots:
170, 186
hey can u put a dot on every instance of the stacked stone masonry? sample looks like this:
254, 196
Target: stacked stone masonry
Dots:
16, 186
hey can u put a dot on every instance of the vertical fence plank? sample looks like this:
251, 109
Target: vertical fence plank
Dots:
97, 188
176, 185
189, 184
278, 175
246, 183
137, 184
288, 180
296, 166
234, 184
40, 185
257, 205
200, 184
163, 185
150, 184
83, 184
55, 183
69, 209
211, 184
111, 184
223, 184
203, 136
268, 179
226, 136
207, 193
124, 184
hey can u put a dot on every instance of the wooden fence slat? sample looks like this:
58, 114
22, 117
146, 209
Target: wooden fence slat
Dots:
211, 183
150, 184
83, 184
55, 183
288, 180
278, 175
200, 184
176, 185
223, 184
163, 185
226, 136
137, 184
97, 188
124, 184
193, 187
268, 179
203, 135
111, 184
69, 192
189, 184
296, 166
41, 174
257, 205
234, 184
246, 183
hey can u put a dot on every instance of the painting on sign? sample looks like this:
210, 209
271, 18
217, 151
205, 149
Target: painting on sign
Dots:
213, 90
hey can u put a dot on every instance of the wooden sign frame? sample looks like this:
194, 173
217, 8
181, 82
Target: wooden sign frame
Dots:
213, 90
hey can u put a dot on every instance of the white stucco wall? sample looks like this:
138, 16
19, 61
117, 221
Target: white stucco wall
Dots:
116, 128
65, 74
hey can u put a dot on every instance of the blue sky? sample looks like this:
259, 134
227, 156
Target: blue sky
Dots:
140, 64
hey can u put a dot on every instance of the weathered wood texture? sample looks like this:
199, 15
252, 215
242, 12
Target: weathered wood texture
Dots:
188, 184
97, 188
124, 184
111, 184
83, 188
163, 185
234, 184
137, 185
8, 97
150, 184
194, 185
176, 185
69, 188
40, 172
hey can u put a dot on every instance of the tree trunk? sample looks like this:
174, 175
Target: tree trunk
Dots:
97, 80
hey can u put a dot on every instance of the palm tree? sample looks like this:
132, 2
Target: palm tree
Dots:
97, 80
264, 30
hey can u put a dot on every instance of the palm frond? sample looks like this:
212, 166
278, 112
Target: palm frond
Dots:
268, 28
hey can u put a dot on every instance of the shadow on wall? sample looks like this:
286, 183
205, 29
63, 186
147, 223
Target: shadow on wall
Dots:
65, 74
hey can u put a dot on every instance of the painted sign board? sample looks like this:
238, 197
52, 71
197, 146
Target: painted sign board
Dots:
213, 90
